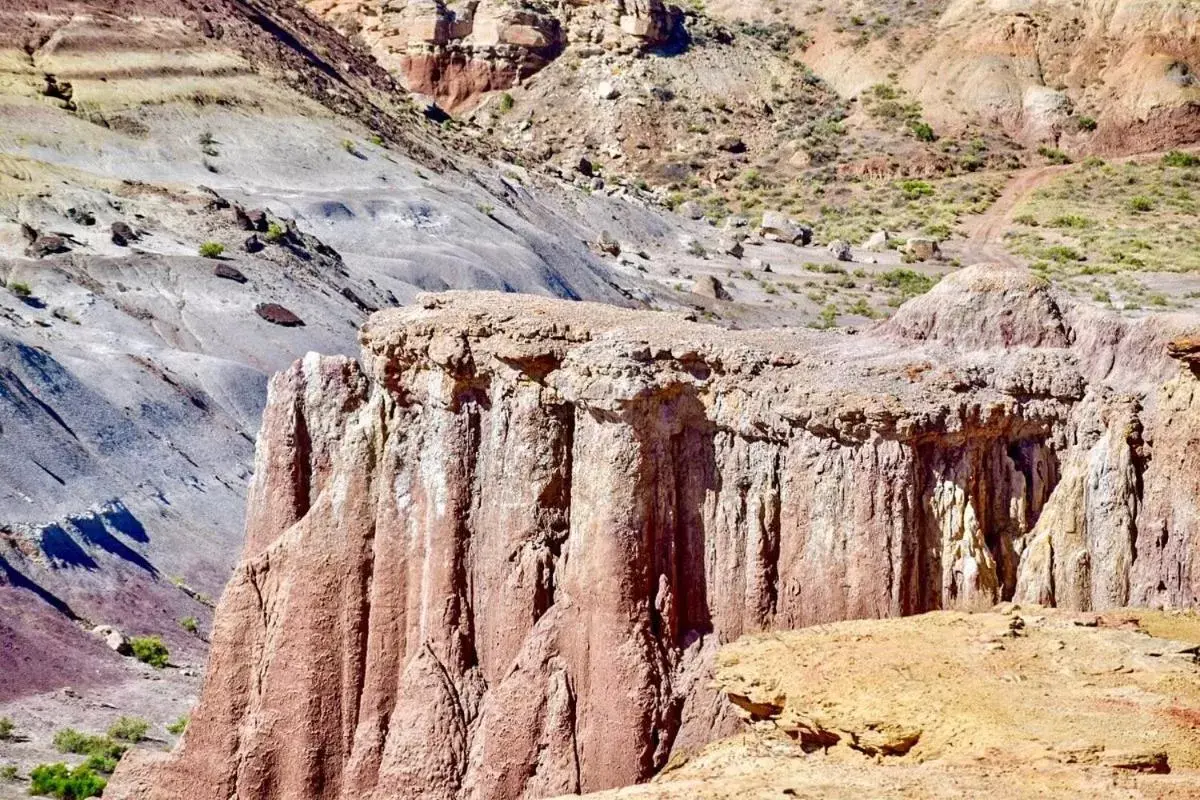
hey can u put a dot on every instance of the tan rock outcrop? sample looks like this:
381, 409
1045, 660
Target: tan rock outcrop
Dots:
456, 53
495, 561
1017, 704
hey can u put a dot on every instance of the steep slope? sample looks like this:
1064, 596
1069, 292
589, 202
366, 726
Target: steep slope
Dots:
494, 559
132, 370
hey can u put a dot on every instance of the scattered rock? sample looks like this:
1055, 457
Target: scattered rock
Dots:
923, 249
123, 235
585, 167
691, 210
48, 245
607, 91
710, 286
59, 90
607, 244
253, 244
731, 144
114, 639
732, 247
353, 297
81, 217
777, 227
840, 250
229, 273
258, 220
1152, 761
278, 315
878, 242
241, 218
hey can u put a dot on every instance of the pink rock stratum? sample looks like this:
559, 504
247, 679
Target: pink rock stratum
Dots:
494, 561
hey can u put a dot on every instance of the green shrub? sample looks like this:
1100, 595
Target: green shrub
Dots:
275, 233
1071, 221
56, 780
99, 763
922, 130
6, 729
211, 250
909, 282
1061, 254
150, 650
190, 624
1087, 123
20, 289
506, 103
69, 740
8, 772
178, 726
1141, 203
914, 190
129, 729
1178, 158
1053, 155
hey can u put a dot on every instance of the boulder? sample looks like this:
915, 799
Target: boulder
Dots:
113, 639
229, 273
691, 210
732, 247
81, 217
731, 144
258, 220
777, 227
123, 235
48, 245
877, 242
278, 315
606, 90
710, 286
253, 244
840, 250
924, 249
241, 218
607, 244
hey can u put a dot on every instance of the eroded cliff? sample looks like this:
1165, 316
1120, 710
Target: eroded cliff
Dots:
494, 560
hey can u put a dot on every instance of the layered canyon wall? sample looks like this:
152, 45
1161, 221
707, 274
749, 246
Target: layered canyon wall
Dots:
457, 52
493, 560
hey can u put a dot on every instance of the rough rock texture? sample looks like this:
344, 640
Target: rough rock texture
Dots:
494, 561
457, 55
1024, 702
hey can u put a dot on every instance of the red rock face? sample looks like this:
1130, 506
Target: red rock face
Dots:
494, 561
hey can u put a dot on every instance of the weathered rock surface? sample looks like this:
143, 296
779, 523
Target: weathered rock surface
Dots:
1023, 702
458, 54
494, 560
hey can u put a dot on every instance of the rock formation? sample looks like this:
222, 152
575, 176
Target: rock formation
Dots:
456, 53
928, 707
494, 560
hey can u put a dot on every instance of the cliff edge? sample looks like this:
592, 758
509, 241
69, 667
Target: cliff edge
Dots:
495, 558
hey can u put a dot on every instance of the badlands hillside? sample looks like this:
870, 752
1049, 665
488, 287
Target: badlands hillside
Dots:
492, 543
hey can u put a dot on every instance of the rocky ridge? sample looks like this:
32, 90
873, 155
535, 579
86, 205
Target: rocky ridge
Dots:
494, 559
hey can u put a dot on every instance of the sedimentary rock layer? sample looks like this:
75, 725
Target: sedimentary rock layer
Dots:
494, 559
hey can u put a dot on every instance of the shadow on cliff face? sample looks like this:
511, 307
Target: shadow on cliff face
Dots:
689, 469
16, 579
